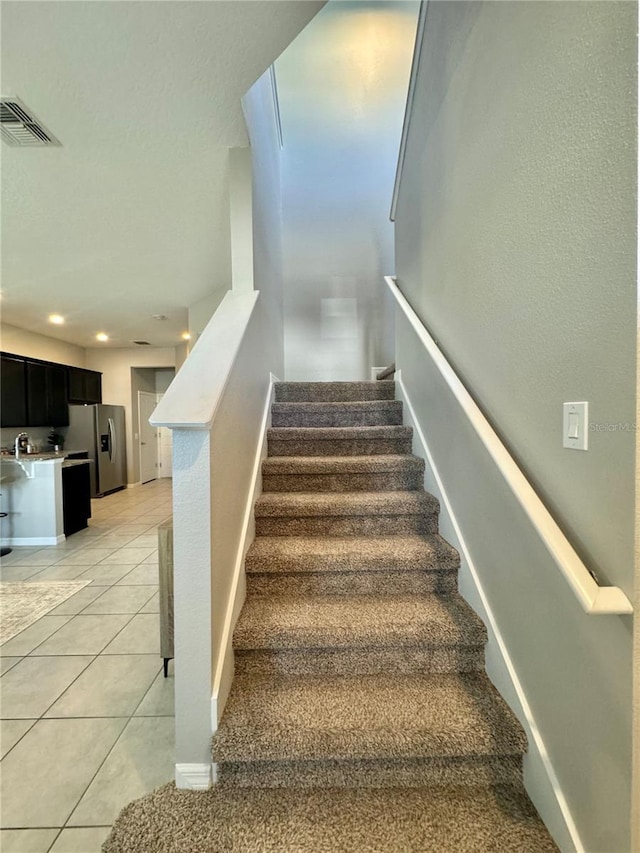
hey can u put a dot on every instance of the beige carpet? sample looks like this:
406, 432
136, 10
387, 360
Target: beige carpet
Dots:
347, 820
360, 718
22, 603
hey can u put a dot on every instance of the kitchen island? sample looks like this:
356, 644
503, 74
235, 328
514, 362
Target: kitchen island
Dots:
46, 497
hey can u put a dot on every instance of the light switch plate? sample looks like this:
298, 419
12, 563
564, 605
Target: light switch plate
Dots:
575, 426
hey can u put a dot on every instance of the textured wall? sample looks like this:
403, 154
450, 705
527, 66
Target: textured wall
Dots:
516, 239
22, 342
259, 112
573, 670
515, 242
342, 86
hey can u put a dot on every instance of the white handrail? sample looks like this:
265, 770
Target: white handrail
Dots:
594, 599
408, 110
193, 397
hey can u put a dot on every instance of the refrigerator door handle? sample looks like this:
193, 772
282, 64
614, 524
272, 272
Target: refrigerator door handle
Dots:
113, 447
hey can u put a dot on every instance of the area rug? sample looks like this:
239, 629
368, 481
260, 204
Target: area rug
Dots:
22, 603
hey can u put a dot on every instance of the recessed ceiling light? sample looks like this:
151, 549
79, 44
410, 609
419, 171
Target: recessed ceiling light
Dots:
102, 337
57, 319
185, 336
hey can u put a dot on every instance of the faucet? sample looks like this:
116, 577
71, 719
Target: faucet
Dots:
21, 442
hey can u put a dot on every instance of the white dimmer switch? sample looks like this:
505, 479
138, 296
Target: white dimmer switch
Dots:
575, 426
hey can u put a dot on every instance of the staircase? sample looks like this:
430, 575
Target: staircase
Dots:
359, 669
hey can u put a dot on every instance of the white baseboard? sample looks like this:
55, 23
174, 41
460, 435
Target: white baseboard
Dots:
26, 541
194, 777
134, 485
548, 796
223, 676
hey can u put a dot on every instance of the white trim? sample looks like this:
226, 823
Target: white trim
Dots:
24, 541
134, 485
223, 676
194, 777
408, 111
594, 599
536, 743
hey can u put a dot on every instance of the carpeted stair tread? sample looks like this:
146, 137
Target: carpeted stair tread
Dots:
334, 392
347, 433
304, 504
338, 441
358, 413
380, 716
329, 820
297, 622
383, 463
383, 582
428, 552
387, 472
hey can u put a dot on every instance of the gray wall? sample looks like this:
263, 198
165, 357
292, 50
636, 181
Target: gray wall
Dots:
516, 239
515, 243
342, 85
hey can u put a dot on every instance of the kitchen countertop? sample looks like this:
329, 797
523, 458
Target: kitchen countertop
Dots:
41, 456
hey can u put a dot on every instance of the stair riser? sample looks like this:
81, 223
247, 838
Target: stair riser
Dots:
408, 773
333, 392
386, 481
354, 525
357, 662
351, 583
390, 417
339, 447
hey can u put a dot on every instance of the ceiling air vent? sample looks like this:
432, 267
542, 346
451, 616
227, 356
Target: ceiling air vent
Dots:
142, 343
20, 127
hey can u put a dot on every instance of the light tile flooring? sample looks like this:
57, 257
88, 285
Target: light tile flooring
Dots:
86, 717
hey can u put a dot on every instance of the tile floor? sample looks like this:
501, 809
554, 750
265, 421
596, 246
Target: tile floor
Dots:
86, 717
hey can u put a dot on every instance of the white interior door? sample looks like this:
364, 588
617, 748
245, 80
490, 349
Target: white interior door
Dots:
166, 450
148, 437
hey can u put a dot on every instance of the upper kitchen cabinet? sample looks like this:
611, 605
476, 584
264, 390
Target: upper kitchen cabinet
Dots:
36, 393
13, 394
85, 386
46, 394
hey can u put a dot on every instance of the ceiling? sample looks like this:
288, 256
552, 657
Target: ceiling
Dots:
130, 216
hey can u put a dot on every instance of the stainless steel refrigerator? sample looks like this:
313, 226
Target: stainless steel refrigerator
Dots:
99, 429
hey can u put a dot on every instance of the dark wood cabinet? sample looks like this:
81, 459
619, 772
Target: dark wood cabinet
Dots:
13, 395
76, 497
46, 395
57, 396
85, 386
37, 393
93, 386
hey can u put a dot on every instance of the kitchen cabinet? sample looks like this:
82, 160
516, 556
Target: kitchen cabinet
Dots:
46, 394
36, 392
76, 496
13, 395
85, 386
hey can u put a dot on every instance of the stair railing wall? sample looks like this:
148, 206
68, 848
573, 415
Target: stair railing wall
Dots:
593, 598
550, 660
215, 408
